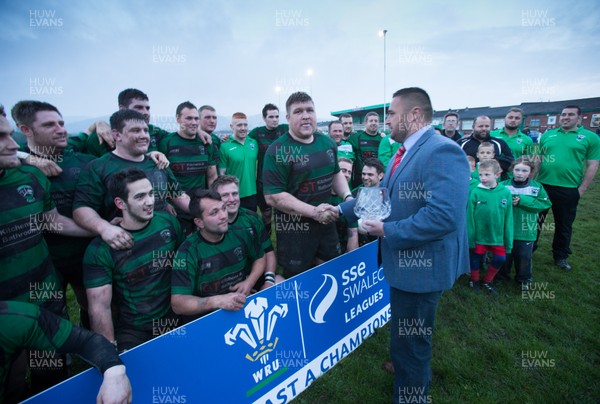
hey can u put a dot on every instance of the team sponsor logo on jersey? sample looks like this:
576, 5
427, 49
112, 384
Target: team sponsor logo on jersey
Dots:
519, 141
331, 155
26, 191
504, 202
580, 137
166, 235
239, 253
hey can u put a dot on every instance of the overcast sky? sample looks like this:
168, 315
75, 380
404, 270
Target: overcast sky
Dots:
233, 54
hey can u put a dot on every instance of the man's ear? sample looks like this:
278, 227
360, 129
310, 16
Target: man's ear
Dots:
199, 223
116, 135
120, 203
26, 130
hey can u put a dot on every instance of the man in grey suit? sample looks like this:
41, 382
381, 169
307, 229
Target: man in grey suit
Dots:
423, 242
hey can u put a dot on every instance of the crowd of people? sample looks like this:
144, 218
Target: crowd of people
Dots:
152, 228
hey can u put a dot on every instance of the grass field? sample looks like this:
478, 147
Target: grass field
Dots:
536, 347
540, 347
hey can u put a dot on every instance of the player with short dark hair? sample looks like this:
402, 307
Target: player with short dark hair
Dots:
264, 136
43, 126
365, 144
300, 172
192, 161
93, 206
214, 268
138, 278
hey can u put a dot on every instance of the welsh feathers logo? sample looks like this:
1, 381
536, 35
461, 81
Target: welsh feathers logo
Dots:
258, 334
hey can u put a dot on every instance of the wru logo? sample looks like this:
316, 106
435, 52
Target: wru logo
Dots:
260, 336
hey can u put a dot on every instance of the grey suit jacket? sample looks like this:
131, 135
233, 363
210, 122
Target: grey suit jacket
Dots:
425, 247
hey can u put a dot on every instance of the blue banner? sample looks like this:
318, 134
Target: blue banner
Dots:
268, 352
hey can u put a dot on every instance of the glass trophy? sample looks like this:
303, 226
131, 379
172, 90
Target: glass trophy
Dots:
373, 203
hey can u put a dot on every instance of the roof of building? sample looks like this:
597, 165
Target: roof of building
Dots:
529, 108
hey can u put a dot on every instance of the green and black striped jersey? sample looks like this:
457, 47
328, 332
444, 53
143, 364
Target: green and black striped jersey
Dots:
140, 276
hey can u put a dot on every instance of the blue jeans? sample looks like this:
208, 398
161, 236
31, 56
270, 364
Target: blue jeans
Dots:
411, 332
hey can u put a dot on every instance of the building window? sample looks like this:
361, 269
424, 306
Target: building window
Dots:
498, 123
467, 125
534, 123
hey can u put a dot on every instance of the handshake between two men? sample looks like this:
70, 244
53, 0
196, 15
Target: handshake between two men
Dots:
326, 213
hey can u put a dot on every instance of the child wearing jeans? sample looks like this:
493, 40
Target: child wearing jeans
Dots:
490, 224
529, 199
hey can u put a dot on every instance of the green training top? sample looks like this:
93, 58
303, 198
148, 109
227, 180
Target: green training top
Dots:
563, 156
27, 273
140, 276
303, 170
490, 217
202, 268
189, 158
345, 150
387, 149
533, 199
519, 143
239, 159
92, 185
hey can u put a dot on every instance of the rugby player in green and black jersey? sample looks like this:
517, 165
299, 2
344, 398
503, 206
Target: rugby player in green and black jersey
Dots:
348, 124
43, 126
264, 136
365, 144
136, 100
139, 278
300, 171
249, 224
27, 326
91, 197
215, 268
208, 124
27, 209
192, 161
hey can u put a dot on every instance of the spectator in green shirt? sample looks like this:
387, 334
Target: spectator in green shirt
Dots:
519, 143
569, 161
